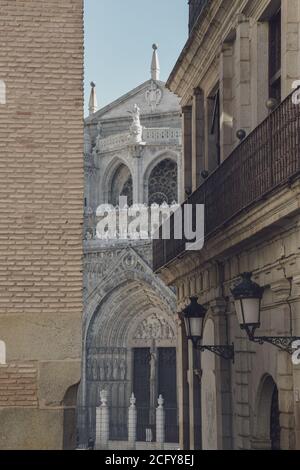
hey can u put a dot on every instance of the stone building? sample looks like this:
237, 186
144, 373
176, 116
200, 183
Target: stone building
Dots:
241, 159
132, 149
41, 207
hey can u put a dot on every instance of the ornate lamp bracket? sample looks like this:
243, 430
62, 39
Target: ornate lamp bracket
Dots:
284, 343
224, 351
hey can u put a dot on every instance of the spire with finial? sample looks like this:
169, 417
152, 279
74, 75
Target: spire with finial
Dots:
93, 105
155, 69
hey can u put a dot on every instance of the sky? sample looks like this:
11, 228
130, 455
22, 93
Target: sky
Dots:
118, 43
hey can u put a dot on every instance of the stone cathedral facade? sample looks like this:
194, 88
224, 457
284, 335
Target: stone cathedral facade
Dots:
132, 149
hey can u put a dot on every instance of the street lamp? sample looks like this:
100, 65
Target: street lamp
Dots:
247, 299
194, 316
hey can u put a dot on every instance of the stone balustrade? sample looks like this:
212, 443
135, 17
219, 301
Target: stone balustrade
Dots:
162, 135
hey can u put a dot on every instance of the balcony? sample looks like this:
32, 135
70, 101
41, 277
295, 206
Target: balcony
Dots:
266, 160
195, 9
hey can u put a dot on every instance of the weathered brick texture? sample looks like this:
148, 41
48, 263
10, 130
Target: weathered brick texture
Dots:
41, 199
18, 385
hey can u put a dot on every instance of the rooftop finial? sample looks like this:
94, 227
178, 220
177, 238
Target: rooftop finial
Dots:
155, 69
93, 105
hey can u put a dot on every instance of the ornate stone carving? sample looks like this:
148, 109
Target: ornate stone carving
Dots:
136, 129
129, 261
153, 96
154, 328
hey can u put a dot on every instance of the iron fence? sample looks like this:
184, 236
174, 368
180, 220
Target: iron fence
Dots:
267, 159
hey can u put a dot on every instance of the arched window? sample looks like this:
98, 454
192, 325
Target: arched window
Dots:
121, 185
162, 185
2, 353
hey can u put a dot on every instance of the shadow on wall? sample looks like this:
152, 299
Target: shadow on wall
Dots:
70, 419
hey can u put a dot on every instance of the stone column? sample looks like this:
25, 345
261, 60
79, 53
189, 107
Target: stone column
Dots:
187, 148
290, 46
160, 421
226, 100
242, 74
102, 422
259, 71
194, 398
183, 389
153, 381
137, 186
132, 421
198, 138
223, 376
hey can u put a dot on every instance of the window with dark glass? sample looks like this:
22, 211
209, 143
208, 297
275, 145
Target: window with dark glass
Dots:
275, 57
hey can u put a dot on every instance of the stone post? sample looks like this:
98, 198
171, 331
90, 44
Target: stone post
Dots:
132, 421
102, 422
160, 421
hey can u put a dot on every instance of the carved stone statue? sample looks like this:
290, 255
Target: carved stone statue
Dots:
95, 370
108, 370
123, 369
116, 370
153, 361
101, 370
136, 129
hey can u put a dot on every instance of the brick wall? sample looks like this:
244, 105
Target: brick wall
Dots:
41, 194
18, 385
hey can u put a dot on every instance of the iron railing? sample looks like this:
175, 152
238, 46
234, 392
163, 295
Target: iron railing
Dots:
195, 9
268, 158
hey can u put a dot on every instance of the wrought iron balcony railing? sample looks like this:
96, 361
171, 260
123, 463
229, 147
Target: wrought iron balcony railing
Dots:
195, 8
268, 158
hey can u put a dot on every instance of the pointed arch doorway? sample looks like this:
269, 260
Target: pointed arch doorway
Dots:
130, 346
267, 421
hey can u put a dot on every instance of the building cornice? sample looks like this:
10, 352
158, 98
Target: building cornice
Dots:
214, 25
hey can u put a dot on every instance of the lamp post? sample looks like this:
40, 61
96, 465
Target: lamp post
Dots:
194, 316
247, 299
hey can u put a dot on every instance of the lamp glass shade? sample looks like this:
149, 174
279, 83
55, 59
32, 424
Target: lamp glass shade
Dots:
251, 311
247, 299
238, 311
194, 315
196, 327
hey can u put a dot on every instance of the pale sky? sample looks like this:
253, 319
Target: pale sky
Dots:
118, 43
